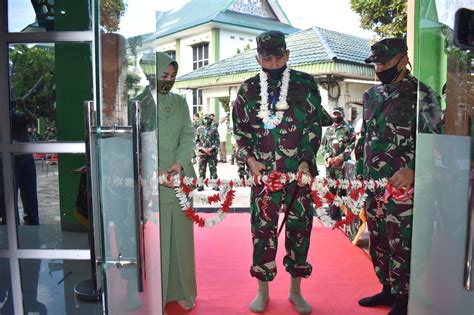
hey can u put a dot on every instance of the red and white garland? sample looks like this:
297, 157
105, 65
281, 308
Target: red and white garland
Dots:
320, 192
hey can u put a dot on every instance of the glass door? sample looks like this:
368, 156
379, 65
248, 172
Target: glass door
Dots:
44, 247
441, 275
123, 161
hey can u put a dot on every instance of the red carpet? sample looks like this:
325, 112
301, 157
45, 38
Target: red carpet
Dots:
342, 273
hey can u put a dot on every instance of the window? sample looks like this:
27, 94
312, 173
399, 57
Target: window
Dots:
171, 53
197, 101
200, 56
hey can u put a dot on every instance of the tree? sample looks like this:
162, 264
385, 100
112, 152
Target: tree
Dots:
387, 18
110, 13
32, 77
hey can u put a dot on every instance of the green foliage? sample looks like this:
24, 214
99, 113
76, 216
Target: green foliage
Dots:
29, 66
132, 81
225, 103
387, 18
134, 43
110, 13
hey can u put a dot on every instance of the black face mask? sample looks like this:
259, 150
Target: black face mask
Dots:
208, 121
165, 86
389, 75
275, 74
337, 120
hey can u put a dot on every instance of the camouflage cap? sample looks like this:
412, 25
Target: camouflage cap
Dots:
271, 43
338, 110
386, 49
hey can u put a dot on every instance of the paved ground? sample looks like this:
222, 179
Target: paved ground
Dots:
242, 196
48, 190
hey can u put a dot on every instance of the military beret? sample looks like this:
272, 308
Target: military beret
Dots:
386, 49
271, 43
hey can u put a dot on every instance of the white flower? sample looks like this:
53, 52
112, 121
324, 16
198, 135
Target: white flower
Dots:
264, 112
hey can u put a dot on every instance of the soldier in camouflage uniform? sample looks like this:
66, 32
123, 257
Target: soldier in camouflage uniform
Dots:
207, 143
275, 137
386, 149
337, 145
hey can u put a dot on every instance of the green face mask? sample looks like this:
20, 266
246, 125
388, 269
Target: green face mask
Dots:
165, 86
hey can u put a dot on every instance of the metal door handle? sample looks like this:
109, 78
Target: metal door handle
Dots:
119, 262
468, 277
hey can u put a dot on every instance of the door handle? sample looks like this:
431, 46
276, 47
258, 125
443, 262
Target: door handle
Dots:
137, 190
468, 268
119, 262
111, 131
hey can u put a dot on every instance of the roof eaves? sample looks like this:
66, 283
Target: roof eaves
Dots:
284, 14
179, 30
240, 25
228, 5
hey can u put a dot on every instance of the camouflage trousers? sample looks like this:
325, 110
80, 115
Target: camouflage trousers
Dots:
210, 160
390, 230
297, 232
242, 169
335, 212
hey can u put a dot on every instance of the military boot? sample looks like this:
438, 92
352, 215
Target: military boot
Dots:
383, 298
400, 307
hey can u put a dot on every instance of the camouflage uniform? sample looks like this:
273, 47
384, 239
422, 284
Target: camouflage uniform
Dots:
283, 148
338, 141
387, 144
207, 137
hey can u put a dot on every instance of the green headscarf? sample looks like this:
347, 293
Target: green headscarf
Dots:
162, 62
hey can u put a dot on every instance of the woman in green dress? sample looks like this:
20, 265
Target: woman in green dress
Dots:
175, 151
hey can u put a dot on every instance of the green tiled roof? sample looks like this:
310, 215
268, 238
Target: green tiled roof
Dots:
315, 51
198, 12
252, 21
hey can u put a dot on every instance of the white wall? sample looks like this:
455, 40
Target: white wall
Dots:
186, 51
230, 41
171, 45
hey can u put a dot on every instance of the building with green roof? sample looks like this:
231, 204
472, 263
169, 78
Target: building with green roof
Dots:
336, 60
202, 32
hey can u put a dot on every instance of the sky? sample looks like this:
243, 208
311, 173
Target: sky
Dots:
335, 15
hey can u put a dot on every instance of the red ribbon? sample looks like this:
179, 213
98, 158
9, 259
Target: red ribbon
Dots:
274, 182
398, 194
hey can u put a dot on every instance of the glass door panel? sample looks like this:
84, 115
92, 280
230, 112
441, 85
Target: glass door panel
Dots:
127, 159
48, 15
442, 211
118, 223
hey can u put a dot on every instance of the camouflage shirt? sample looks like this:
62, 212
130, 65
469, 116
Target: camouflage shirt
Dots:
295, 139
338, 140
388, 134
207, 137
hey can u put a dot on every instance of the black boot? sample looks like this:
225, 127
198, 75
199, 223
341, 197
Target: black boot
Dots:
382, 298
399, 307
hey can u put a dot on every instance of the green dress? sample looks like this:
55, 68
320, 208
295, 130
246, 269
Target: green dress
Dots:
176, 145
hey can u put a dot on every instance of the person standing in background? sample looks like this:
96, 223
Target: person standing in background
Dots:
24, 164
337, 145
222, 129
207, 143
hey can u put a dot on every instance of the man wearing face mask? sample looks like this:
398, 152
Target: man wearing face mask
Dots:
386, 149
169, 112
207, 142
277, 119
337, 145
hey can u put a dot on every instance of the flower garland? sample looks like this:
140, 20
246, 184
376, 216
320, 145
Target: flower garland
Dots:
319, 186
272, 120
